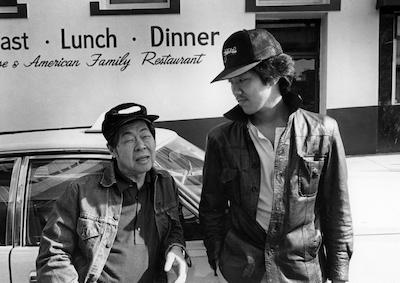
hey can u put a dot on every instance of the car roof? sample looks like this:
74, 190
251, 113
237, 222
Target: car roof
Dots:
74, 139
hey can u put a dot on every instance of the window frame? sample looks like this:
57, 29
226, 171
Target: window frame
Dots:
104, 8
24, 192
396, 38
255, 6
12, 203
14, 11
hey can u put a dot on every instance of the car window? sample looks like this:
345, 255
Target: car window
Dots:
184, 162
47, 180
6, 169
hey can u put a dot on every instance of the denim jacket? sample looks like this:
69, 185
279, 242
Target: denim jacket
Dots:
310, 232
78, 237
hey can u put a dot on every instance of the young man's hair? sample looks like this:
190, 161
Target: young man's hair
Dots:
277, 68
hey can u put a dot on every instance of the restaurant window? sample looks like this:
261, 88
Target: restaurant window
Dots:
300, 39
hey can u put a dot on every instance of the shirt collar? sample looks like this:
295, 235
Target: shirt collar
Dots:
112, 175
292, 101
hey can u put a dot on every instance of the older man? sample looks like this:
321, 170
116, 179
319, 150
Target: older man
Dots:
122, 225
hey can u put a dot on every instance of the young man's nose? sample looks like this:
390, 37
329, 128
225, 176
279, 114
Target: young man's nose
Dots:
236, 89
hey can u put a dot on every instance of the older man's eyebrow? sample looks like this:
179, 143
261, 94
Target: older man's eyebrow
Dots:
127, 133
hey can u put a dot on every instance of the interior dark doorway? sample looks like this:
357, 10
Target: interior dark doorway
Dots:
301, 40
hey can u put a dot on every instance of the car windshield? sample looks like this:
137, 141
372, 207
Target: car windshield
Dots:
184, 161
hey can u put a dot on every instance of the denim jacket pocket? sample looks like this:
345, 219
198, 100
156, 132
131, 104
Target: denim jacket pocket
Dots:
89, 232
88, 228
310, 170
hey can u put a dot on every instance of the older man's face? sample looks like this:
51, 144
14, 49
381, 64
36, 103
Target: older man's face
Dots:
135, 149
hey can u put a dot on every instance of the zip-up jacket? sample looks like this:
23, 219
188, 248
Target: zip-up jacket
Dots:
81, 230
310, 231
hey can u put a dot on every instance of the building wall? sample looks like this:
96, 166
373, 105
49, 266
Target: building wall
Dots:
48, 97
53, 97
352, 73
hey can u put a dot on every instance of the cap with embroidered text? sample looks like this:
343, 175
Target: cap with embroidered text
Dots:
245, 49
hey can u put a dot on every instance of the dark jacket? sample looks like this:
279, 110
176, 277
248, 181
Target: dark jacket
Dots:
78, 237
310, 232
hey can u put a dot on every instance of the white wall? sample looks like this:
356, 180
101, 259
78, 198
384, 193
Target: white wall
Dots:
352, 55
38, 97
62, 97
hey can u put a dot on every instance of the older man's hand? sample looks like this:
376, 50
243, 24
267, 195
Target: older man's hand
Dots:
176, 258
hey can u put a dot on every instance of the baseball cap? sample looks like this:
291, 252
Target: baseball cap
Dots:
245, 49
123, 114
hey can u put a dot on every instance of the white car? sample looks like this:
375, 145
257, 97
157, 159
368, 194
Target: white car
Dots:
36, 166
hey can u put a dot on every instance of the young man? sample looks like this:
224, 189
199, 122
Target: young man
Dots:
122, 225
274, 204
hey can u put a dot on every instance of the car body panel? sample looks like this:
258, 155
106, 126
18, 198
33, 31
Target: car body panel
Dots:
4, 267
373, 190
80, 139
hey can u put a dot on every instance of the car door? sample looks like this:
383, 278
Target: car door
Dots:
9, 169
42, 180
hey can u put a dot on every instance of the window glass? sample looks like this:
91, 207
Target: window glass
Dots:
396, 92
6, 169
184, 162
47, 180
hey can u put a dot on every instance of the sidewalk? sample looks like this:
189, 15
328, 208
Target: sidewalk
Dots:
374, 188
377, 162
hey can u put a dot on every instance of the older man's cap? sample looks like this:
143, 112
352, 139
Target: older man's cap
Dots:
123, 114
245, 49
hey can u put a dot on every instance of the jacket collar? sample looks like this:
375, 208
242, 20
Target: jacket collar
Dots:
108, 179
293, 101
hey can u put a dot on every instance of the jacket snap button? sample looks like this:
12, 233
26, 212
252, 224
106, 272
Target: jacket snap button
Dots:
115, 217
108, 245
254, 188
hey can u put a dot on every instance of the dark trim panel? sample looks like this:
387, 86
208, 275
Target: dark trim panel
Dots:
358, 127
387, 3
194, 130
334, 5
96, 11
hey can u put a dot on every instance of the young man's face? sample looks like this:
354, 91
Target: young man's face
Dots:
250, 92
135, 149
